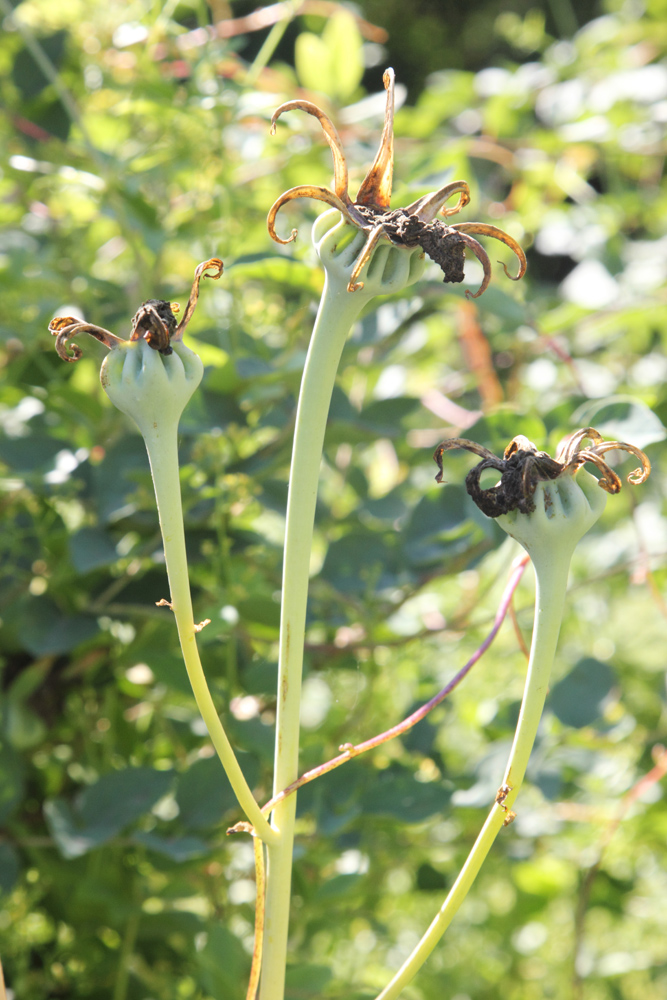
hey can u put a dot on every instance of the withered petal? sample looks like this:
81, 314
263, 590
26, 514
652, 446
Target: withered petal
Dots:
571, 444
427, 208
215, 266
149, 324
482, 229
320, 194
375, 191
519, 443
331, 135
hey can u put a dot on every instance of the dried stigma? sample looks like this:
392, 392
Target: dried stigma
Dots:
522, 467
154, 322
410, 227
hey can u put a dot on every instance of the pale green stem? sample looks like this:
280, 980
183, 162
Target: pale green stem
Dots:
162, 446
338, 311
270, 44
551, 569
125, 957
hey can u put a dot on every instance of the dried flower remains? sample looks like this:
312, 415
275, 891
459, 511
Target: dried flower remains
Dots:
522, 467
410, 227
155, 321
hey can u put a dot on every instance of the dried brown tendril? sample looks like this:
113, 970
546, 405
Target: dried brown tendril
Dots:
413, 226
522, 467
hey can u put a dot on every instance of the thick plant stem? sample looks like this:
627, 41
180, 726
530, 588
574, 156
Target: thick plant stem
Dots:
338, 311
162, 447
551, 570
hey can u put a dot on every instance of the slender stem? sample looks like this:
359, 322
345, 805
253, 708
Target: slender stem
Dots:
337, 312
271, 43
162, 447
125, 957
551, 569
350, 751
260, 882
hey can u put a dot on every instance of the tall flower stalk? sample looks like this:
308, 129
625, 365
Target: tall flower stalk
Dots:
151, 377
365, 250
541, 504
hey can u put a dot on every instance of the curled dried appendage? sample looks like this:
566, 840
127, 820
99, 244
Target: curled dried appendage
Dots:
571, 453
309, 191
211, 268
413, 226
154, 321
65, 328
522, 467
482, 229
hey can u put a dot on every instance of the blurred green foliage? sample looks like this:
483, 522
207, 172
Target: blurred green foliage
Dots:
136, 144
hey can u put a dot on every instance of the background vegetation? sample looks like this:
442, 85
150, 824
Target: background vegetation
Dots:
136, 144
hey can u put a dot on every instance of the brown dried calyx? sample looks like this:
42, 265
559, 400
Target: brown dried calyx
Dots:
522, 467
413, 226
155, 322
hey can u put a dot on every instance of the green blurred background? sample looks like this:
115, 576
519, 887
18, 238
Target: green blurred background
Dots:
135, 144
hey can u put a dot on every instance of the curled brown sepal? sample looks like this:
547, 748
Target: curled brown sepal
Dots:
212, 268
370, 212
65, 328
522, 467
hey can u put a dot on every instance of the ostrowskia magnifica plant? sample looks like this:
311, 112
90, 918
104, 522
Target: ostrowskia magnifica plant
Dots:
366, 250
547, 505
151, 377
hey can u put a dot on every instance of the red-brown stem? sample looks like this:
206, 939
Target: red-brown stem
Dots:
351, 750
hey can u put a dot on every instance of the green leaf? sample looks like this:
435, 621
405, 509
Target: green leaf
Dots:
11, 782
223, 964
48, 632
578, 699
203, 792
429, 879
622, 418
304, 981
9, 867
177, 848
23, 728
280, 270
338, 887
26, 454
357, 563
312, 60
344, 44
102, 810
120, 797
396, 792
91, 548
263, 610
27, 74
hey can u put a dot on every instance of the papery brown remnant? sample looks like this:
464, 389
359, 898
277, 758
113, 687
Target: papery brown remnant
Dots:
413, 226
522, 467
